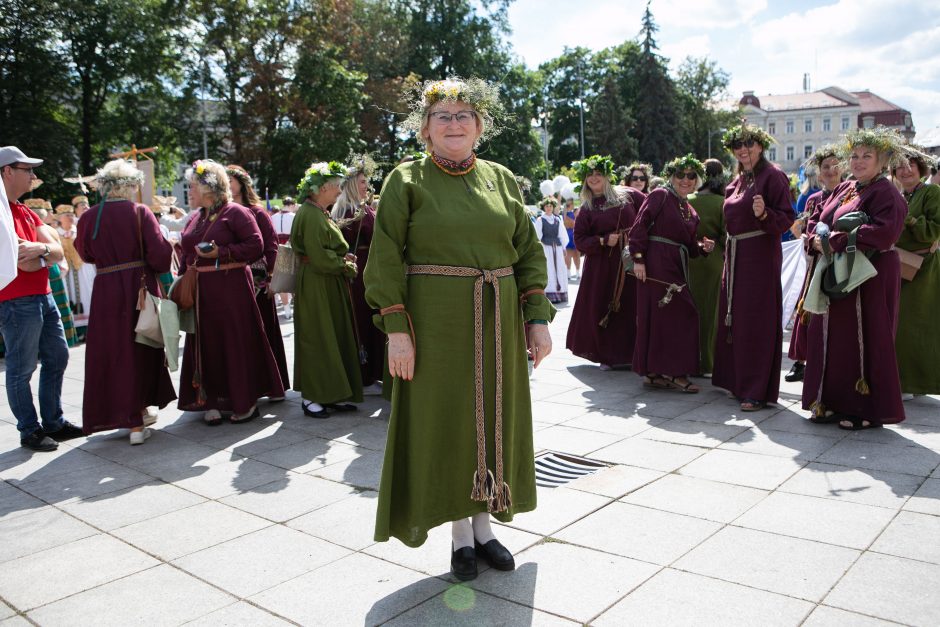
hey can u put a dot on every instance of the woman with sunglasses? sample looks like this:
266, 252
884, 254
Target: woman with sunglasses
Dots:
758, 211
637, 176
705, 271
662, 240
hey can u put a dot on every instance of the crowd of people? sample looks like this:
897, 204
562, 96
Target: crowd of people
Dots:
438, 292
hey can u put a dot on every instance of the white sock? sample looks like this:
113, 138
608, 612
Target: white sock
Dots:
311, 405
461, 532
482, 530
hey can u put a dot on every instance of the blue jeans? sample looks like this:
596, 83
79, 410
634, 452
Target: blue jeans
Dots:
32, 329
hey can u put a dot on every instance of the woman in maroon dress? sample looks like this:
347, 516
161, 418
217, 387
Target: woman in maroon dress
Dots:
603, 324
662, 240
227, 364
637, 176
758, 211
851, 367
123, 239
244, 194
829, 168
356, 218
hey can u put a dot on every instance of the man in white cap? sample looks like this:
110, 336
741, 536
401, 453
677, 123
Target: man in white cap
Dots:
29, 318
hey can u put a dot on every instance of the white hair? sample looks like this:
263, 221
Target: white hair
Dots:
119, 179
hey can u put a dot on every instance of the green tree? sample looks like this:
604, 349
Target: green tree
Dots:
702, 85
657, 109
609, 129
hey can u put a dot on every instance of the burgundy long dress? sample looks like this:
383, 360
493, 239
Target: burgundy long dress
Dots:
814, 205
237, 365
266, 305
358, 236
122, 377
749, 351
612, 345
666, 337
837, 363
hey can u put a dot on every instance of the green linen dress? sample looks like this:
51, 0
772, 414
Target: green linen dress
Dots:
917, 342
427, 216
326, 354
705, 273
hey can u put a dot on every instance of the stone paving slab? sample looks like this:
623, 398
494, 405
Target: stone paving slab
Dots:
704, 515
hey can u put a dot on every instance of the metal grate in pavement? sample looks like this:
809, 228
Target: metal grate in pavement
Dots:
554, 469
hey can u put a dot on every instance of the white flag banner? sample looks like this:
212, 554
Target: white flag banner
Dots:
8, 242
792, 275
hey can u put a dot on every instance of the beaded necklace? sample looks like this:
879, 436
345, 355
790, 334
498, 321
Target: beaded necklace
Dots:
908, 196
685, 210
455, 168
747, 180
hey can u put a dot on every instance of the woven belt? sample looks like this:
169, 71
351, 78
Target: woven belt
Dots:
683, 253
493, 490
730, 258
121, 266
224, 266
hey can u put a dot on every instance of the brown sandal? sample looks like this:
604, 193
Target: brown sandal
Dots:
687, 388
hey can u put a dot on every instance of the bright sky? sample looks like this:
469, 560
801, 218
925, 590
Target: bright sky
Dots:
890, 48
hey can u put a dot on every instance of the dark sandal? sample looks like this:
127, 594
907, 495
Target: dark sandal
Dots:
255, 413
858, 424
685, 389
656, 382
749, 404
827, 418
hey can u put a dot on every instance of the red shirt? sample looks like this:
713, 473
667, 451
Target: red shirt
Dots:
25, 223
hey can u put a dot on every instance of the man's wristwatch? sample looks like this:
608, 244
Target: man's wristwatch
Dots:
47, 253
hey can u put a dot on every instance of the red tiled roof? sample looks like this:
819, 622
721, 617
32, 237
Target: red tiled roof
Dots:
873, 103
802, 100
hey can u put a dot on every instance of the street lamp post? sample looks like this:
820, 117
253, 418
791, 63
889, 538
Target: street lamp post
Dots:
710, 135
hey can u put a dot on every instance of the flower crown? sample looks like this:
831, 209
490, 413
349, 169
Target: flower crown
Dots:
318, 174
361, 164
744, 132
111, 178
476, 92
884, 140
201, 172
603, 164
680, 164
548, 200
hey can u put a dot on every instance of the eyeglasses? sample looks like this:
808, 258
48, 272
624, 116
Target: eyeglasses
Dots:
462, 117
738, 143
25, 169
686, 175
638, 178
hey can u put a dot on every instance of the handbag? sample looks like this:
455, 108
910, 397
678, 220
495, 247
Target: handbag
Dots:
912, 261
284, 279
183, 290
148, 320
848, 270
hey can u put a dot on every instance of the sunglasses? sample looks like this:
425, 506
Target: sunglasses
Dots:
686, 175
738, 143
462, 117
638, 178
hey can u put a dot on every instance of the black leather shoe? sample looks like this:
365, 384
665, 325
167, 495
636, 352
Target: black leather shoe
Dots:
314, 414
463, 563
67, 432
39, 441
495, 554
796, 372
340, 406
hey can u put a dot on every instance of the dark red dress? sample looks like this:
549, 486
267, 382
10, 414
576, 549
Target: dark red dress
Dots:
122, 377
612, 345
266, 305
748, 353
237, 365
666, 337
358, 236
837, 363
797, 351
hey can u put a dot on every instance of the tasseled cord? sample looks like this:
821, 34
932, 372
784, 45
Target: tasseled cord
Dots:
502, 500
484, 486
861, 386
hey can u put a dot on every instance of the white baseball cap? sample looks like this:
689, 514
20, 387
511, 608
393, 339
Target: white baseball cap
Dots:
11, 154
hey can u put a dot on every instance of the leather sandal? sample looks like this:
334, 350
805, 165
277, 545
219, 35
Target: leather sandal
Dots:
857, 423
749, 404
687, 388
246, 417
213, 417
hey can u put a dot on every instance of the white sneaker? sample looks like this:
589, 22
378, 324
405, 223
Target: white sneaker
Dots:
373, 390
289, 311
139, 437
150, 417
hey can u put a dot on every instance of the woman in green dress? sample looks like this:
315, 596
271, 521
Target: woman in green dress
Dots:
326, 354
457, 272
705, 271
917, 342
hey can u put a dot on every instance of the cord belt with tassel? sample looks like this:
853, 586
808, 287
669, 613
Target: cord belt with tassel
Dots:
487, 487
730, 258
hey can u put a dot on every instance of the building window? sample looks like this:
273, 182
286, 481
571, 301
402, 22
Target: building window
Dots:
868, 121
845, 124
772, 127
807, 151
772, 154
789, 127
808, 125
827, 124
789, 153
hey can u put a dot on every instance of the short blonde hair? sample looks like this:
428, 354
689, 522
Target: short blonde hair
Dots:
119, 180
